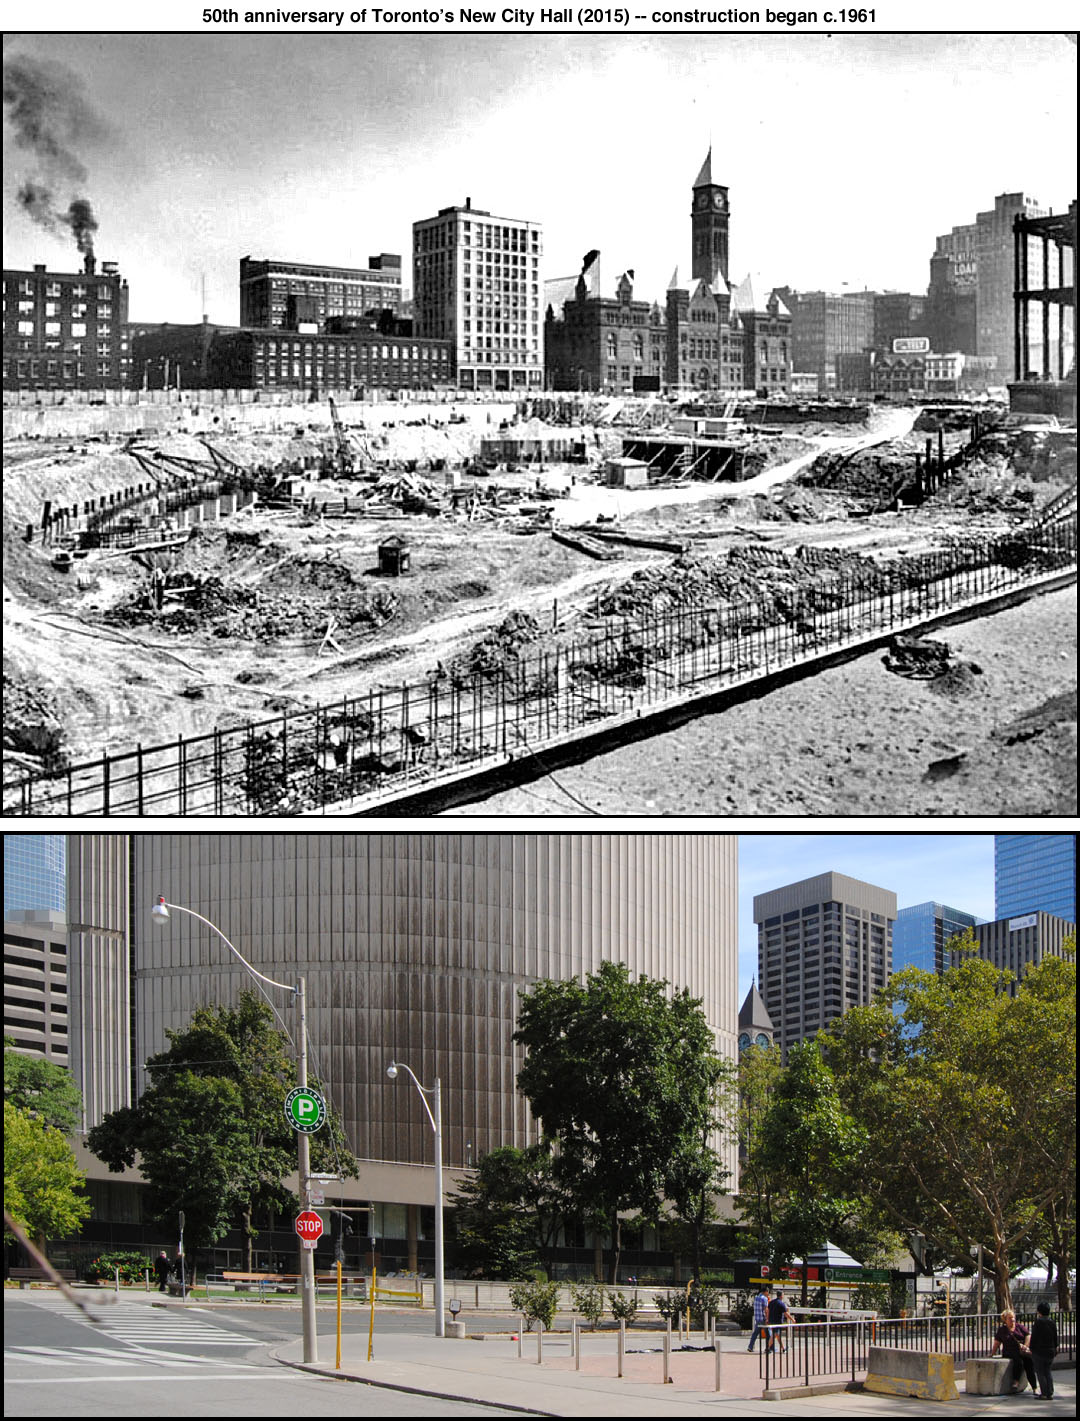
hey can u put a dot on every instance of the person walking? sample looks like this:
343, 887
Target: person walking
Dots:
1012, 1338
1044, 1345
779, 1316
162, 1267
761, 1316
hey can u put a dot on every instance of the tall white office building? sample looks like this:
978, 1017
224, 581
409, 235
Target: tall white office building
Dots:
477, 282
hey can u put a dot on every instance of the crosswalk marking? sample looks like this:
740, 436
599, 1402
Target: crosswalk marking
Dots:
132, 1357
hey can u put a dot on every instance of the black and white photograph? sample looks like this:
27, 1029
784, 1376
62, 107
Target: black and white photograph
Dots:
512, 417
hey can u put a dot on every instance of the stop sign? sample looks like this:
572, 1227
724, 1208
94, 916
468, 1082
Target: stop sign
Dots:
309, 1226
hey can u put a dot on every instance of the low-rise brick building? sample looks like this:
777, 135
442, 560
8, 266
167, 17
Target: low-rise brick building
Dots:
66, 330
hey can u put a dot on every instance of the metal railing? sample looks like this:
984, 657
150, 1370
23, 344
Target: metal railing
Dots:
367, 751
805, 1350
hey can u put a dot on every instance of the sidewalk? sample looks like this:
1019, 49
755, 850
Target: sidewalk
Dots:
487, 1371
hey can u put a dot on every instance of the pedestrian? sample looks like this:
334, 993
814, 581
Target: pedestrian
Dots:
779, 1316
162, 1268
1044, 1345
761, 1315
1012, 1338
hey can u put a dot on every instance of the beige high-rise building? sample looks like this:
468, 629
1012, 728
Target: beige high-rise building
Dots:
100, 970
415, 947
824, 945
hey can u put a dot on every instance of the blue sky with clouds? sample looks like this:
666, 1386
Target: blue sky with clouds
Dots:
957, 869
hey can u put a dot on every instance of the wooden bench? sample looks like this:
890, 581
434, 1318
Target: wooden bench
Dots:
25, 1276
242, 1282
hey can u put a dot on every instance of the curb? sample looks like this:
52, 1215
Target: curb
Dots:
320, 1371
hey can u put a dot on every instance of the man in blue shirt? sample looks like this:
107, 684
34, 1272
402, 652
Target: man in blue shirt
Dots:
761, 1314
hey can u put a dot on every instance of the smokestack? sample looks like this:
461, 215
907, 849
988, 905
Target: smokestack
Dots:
90, 265
468, 204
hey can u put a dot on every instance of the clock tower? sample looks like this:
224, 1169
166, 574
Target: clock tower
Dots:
709, 220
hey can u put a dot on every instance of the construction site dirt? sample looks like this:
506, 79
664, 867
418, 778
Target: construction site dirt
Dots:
140, 617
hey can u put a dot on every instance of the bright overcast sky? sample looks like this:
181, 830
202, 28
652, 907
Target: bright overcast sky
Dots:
845, 155
957, 869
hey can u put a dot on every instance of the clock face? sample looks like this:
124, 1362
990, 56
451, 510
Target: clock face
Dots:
744, 1041
762, 1039
718, 201
702, 200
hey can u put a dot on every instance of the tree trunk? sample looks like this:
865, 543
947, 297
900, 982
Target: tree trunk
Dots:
248, 1240
805, 1281
1002, 1294
616, 1238
598, 1254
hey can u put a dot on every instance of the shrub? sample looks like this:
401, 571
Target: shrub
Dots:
742, 1312
132, 1265
623, 1309
702, 1299
538, 1301
589, 1301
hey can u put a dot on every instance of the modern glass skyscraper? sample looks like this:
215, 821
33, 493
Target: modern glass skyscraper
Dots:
34, 867
1035, 872
921, 932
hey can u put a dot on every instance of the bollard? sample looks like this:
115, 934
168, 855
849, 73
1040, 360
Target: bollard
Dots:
622, 1345
520, 1331
667, 1353
575, 1342
539, 1342
716, 1358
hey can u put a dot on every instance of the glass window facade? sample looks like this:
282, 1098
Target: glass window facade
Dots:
921, 932
34, 872
1033, 872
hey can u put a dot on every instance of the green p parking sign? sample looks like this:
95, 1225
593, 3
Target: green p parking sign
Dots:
305, 1110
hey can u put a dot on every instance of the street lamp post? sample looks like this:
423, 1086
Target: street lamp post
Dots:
160, 914
436, 1124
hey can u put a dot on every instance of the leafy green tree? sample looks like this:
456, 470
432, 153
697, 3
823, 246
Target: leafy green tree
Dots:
43, 1186
812, 1145
623, 1077
507, 1215
41, 1088
210, 1131
760, 1191
696, 1173
967, 1094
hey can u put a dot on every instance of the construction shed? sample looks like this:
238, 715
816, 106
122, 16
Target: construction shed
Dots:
393, 556
626, 473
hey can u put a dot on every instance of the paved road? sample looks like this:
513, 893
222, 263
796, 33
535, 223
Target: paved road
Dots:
162, 1362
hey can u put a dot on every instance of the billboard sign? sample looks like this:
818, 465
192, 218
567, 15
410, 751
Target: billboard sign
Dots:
911, 345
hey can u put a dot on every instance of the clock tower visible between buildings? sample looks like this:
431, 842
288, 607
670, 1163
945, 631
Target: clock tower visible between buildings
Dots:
709, 218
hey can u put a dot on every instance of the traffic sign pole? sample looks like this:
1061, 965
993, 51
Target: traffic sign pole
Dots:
303, 1152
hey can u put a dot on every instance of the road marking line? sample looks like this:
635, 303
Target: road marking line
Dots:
128, 1377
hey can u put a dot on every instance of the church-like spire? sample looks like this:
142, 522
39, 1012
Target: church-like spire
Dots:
704, 178
673, 284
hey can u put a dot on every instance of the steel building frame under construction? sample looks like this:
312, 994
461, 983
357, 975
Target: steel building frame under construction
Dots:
1049, 391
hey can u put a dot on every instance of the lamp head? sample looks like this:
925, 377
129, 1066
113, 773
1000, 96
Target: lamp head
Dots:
160, 912
391, 1071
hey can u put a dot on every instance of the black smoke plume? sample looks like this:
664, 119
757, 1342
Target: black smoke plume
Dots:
50, 118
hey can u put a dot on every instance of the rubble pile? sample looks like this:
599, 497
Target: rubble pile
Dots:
222, 609
32, 725
868, 474
497, 654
